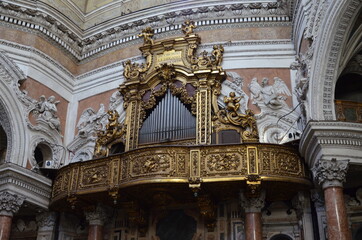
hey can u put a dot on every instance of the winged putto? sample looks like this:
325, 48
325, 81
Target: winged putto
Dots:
272, 96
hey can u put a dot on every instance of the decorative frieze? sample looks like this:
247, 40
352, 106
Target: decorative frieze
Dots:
81, 47
10, 203
330, 173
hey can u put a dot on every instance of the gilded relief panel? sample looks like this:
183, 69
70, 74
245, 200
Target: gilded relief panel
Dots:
231, 162
94, 175
146, 164
288, 164
182, 166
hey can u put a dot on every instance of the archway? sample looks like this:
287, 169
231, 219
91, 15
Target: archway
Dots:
281, 237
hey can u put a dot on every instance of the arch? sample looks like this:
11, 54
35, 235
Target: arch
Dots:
11, 111
281, 237
332, 36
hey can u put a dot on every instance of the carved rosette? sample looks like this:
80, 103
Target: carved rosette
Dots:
46, 221
252, 204
10, 203
330, 173
96, 217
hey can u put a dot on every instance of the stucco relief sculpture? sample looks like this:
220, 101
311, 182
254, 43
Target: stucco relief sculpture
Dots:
47, 111
90, 121
271, 96
301, 65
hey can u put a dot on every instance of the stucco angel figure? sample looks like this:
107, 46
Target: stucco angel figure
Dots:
91, 121
47, 109
270, 95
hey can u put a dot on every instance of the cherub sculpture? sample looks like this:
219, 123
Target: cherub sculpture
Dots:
217, 54
188, 27
232, 102
147, 35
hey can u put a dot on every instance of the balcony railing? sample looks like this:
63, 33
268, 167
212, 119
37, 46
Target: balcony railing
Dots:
185, 165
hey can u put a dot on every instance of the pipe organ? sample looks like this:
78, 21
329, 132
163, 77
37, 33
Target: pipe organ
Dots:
170, 120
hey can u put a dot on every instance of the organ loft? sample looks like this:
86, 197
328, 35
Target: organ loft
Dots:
180, 120
183, 158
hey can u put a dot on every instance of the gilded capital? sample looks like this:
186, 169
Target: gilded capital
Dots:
330, 173
252, 204
10, 203
97, 216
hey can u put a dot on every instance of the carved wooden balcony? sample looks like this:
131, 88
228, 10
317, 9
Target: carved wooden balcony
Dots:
218, 170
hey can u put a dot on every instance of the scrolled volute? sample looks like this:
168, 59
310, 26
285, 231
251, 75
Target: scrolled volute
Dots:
330, 173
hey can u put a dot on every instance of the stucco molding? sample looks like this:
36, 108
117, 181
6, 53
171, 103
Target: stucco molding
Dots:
331, 139
81, 44
329, 41
12, 118
19, 180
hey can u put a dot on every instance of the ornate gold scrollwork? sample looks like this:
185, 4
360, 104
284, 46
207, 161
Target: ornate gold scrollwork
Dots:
151, 164
253, 186
114, 131
231, 116
223, 162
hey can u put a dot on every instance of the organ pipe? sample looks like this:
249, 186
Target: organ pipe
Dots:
169, 121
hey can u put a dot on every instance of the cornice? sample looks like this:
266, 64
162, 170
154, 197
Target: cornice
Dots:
123, 30
109, 76
320, 137
35, 187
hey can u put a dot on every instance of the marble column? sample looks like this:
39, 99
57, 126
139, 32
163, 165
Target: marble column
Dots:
96, 220
46, 225
9, 205
253, 221
331, 175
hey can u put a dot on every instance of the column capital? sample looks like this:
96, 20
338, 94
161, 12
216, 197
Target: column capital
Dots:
46, 220
330, 173
10, 203
97, 216
252, 204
